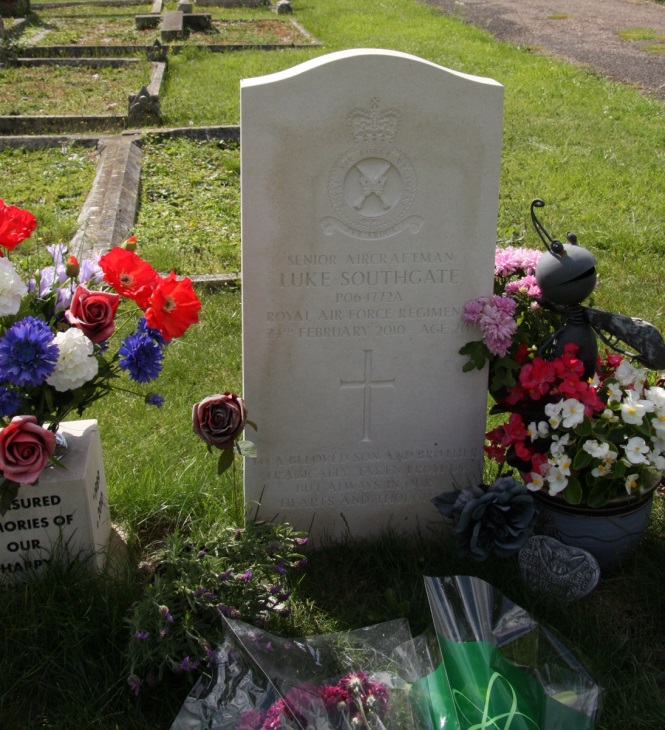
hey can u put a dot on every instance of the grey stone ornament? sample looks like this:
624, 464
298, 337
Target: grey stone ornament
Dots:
565, 572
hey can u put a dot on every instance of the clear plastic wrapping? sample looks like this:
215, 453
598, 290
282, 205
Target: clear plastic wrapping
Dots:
486, 663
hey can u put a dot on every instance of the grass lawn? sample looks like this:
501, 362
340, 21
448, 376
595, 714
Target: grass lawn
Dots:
53, 90
592, 148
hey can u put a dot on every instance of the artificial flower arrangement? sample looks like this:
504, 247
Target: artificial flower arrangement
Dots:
55, 336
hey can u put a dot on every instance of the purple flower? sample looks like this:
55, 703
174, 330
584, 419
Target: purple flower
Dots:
166, 614
200, 591
225, 576
134, 683
279, 568
300, 564
275, 589
89, 272
154, 399
10, 402
228, 611
141, 635
301, 541
187, 665
141, 356
244, 577
27, 353
164, 633
527, 285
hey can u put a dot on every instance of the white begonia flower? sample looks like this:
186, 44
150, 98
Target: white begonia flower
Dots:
572, 412
609, 415
614, 392
658, 461
564, 464
632, 483
12, 288
602, 470
553, 409
658, 422
636, 450
537, 430
634, 410
656, 395
557, 447
629, 376
76, 364
536, 482
596, 449
556, 481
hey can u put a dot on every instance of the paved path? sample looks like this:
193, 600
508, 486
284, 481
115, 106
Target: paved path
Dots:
584, 31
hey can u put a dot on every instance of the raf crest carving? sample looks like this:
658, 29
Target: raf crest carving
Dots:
372, 187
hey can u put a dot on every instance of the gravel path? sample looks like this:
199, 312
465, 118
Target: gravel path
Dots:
583, 31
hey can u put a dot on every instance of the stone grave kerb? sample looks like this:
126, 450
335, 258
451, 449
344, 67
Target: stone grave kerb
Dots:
369, 196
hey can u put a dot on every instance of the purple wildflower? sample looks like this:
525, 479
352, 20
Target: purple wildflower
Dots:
300, 564
225, 576
166, 614
228, 611
141, 635
244, 577
301, 541
187, 665
275, 589
134, 683
279, 568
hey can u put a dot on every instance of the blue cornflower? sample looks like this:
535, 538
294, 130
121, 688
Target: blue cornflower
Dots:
154, 399
142, 357
10, 402
143, 329
28, 354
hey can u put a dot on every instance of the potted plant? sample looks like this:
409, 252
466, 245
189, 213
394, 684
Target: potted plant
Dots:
588, 441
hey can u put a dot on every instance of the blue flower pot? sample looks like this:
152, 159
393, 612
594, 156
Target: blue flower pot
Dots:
611, 533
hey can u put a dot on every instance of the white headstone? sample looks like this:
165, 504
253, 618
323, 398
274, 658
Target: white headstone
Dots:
369, 204
67, 509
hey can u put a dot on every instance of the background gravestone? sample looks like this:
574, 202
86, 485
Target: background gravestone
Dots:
369, 204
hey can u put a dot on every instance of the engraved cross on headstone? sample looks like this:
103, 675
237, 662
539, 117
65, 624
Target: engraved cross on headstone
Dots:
367, 384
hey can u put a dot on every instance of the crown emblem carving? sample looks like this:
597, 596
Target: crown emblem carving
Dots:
373, 125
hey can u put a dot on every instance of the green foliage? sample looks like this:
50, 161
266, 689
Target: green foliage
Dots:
196, 578
190, 222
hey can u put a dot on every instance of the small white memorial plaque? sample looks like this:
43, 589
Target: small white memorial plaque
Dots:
67, 506
369, 206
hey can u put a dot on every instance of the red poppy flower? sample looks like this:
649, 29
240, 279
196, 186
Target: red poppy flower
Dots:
129, 275
173, 306
16, 225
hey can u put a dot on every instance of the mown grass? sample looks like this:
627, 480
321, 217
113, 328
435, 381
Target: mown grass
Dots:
49, 90
593, 149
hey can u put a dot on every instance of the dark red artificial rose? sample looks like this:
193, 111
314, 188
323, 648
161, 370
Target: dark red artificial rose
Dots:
16, 225
219, 419
93, 312
25, 448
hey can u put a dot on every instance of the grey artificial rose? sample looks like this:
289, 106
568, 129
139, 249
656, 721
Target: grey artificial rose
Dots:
219, 419
497, 519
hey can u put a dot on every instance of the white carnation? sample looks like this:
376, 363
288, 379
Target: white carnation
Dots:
12, 288
76, 364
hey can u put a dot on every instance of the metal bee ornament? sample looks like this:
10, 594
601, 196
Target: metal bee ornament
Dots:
566, 275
